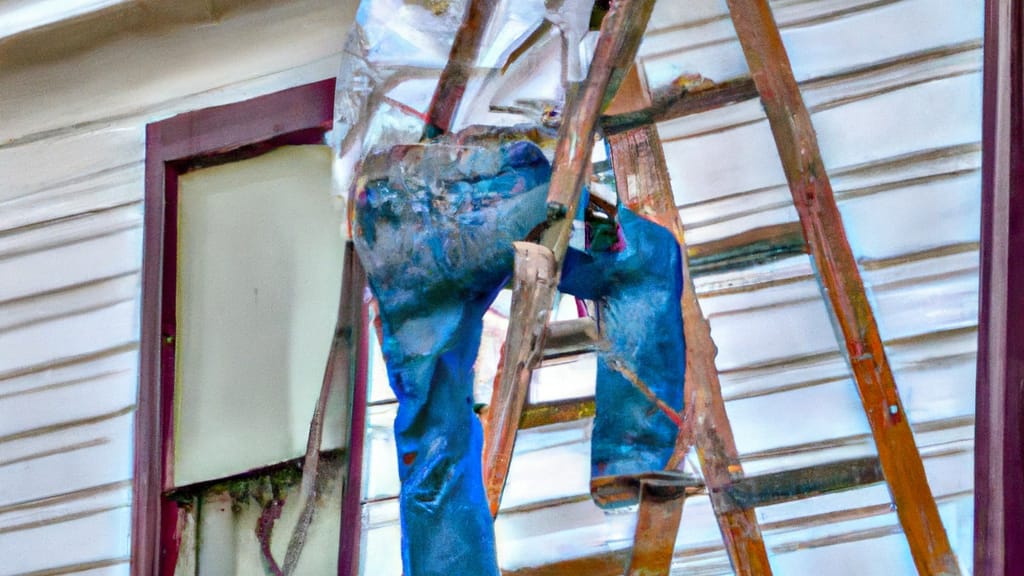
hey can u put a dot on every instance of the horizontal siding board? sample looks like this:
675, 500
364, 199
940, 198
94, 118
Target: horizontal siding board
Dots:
119, 186
77, 228
69, 265
762, 297
96, 537
901, 122
63, 438
699, 175
726, 217
51, 406
845, 43
118, 567
765, 335
98, 465
76, 157
928, 307
935, 437
853, 134
736, 223
914, 218
884, 553
58, 509
814, 414
867, 178
276, 37
819, 44
75, 299
831, 91
118, 360
941, 389
906, 71
69, 336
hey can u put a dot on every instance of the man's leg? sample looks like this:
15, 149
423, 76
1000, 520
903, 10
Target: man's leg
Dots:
446, 526
434, 229
638, 284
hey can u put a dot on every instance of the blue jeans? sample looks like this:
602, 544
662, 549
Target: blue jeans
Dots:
434, 229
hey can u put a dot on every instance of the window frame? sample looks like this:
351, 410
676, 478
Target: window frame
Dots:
217, 135
999, 408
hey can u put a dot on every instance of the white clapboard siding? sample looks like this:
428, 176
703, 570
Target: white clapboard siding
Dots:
88, 453
70, 544
134, 73
85, 155
870, 130
72, 151
76, 335
109, 189
870, 31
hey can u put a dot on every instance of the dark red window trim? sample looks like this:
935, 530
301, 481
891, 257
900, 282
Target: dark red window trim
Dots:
999, 432
174, 146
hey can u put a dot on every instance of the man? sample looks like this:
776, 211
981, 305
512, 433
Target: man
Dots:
434, 226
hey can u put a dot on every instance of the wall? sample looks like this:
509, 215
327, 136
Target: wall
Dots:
74, 102
893, 85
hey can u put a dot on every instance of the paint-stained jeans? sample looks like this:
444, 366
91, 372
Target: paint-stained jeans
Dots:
639, 284
434, 227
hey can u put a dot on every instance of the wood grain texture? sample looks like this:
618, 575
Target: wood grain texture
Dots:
797, 146
281, 39
642, 178
535, 281
461, 60
681, 104
657, 524
621, 32
354, 329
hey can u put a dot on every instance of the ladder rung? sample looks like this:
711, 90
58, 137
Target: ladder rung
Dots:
571, 337
800, 483
745, 493
625, 489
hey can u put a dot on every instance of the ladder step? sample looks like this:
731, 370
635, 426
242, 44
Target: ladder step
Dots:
626, 489
807, 482
744, 493
571, 337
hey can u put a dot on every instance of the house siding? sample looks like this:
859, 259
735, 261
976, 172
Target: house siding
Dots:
72, 153
894, 89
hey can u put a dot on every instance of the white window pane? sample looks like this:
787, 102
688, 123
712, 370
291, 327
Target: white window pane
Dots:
259, 275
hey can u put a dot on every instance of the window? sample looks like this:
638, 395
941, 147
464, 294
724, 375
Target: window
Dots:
243, 281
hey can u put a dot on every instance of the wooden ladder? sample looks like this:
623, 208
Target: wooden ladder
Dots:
643, 184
